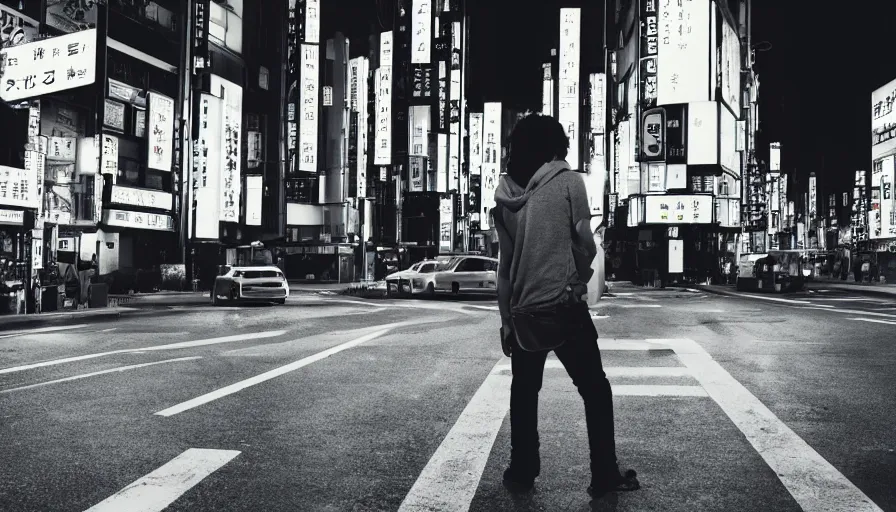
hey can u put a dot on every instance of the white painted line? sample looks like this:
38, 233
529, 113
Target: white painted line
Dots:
450, 479
623, 371
258, 379
41, 330
642, 305
112, 329
595, 316
888, 322
184, 344
657, 390
812, 481
853, 312
103, 372
488, 308
159, 489
850, 299
773, 299
630, 345
709, 311
821, 306
356, 303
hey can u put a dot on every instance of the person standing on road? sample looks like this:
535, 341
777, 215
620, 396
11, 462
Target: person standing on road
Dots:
543, 218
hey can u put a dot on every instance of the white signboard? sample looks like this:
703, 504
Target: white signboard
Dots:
446, 224
813, 196
312, 21
774, 159
160, 132
703, 132
138, 220
683, 74
206, 169
491, 161
883, 119
363, 69
730, 71
887, 197
142, 197
18, 187
382, 154
308, 117
678, 209
729, 157
676, 256
231, 173
49, 66
62, 149
598, 97
442, 162
386, 49
421, 35
12, 217
109, 163
254, 190
568, 80
475, 143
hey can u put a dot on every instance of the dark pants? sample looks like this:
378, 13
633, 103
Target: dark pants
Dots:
581, 358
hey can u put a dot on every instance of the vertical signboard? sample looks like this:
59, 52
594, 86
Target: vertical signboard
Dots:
774, 157
254, 191
446, 224
730, 72
201, 17
649, 51
383, 139
598, 108
308, 115
475, 143
813, 197
887, 205
160, 132
883, 121
684, 44
421, 35
491, 161
442, 162
547, 90
570, 49
312, 21
231, 164
207, 168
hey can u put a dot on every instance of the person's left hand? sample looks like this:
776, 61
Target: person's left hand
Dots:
506, 341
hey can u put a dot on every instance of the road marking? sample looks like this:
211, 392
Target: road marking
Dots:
488, 308
258, 379
642, 305
821, 306
356, 303
812, 481
709, 311
41, 330
849, 299
173, 346
110, 330
622, 371
103, 372
773, 299
888, 322
852, 311
450, 479
657, 390
159, 489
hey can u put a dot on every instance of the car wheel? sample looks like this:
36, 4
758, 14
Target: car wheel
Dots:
280, 301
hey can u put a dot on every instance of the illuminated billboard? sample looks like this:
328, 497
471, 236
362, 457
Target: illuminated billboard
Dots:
684, 44
883, 121
446, 224
598, 108
421, 31
547, 90
475, 143
308, 112
206, 167
568, 79
491, 161
774, 158
730, 72
382, 152
703, 133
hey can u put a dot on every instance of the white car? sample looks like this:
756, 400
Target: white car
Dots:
467, 274
413, 281
250, 284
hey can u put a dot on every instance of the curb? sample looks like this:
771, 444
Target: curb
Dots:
724, 293
20, 322
862, 291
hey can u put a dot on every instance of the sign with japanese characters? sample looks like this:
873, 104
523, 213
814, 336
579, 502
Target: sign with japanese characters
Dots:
678, 209
231, 183
382, 154
883, 121
109, 163
683, 45
138, 220
312, 21
49, 66
18, 187
475, 143
491, 161
160, 132
308, 97
62, 149
446, 224
569, 75
649, 51
421, 35
598, 98
141, 197
12, 217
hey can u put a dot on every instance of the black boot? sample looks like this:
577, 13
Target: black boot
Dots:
520, 474
614, 483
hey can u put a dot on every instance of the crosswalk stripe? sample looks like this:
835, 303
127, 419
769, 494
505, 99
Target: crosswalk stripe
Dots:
623, 371
171, 346
266, 376
657, 390
157, 490
450, 479
102, 372
814, 483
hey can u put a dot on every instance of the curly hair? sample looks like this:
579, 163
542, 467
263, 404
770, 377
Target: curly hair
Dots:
536, 140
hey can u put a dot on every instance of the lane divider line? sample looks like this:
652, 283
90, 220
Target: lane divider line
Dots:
264, 377
103, 372
172, 346
159, 489
888, 322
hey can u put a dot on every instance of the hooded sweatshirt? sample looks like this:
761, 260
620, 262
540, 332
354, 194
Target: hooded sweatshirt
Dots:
539, 250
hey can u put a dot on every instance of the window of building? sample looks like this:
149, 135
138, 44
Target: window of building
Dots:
226, 24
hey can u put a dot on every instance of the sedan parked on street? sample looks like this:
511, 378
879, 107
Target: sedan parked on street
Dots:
250, 284
466, 274
413, 281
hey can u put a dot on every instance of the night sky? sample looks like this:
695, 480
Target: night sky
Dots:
816, 80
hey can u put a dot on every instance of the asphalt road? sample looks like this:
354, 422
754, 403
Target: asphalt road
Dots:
339, 404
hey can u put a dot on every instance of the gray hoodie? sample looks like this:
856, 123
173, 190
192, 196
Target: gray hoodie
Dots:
540, 250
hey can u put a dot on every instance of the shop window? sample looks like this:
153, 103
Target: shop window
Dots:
226, 24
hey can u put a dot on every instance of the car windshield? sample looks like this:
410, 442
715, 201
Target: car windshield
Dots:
256, 274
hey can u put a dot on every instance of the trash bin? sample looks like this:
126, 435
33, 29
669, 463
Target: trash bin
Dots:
98, 295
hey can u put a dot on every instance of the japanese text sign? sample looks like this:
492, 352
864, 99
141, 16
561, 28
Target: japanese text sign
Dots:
49, 66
